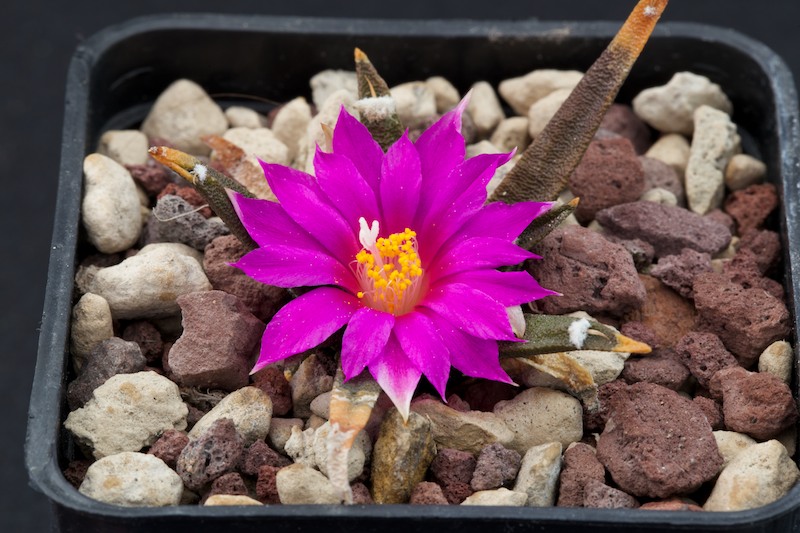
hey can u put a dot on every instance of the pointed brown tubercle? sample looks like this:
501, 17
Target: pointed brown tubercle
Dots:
546, 165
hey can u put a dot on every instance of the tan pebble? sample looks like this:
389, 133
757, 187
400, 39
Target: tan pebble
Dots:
445, 94
230, 499
542, 111
672, 149
485, 109
524, 91
744, 170
777, 359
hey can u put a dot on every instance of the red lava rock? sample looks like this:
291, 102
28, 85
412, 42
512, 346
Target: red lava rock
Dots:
262, 300
621, 119
450, 466
266, 485
669, 229
260, 454
751, 206
147, 336
456, 492
309, 381
219, 342
76, 471
483, 395
230, 483
746, 320
755, 403
743, 268
152, 178
661, 367
217, 451
652, 434
194, 415
173, 219
671, 505
712, 410
704, 354
609, 174
110, 357
454, 401
189, 194
642, 252
579, 468
765, 245
664, 176
664, 311
271, 380
596, 421
640, 332
169, 446
361, 495
496, 466
598, 495
678, 271
718, 215
428, 493
591, 273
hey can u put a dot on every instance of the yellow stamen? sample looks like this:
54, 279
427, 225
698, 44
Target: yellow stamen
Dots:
390, 270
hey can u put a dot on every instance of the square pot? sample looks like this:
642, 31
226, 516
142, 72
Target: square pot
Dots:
117, 74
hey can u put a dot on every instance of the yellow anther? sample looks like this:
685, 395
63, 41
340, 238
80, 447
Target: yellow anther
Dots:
360, 294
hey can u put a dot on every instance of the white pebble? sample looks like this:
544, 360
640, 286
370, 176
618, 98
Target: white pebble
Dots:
147, 284
131, 479
759, 475
672, 149
126, 147
543, 110
501, 496
744, 170
777, 359
415, 103
444, 93
522, 92
659, 195
327, 82
230, 499
182, 115
715, 141
510, 134
315, 136
290, 123
250, 410
357, 456
91, 323
127, 413
110, 210
301, 484
485, 109
539, 415
538, 474
244, 117
670, 108
731, 444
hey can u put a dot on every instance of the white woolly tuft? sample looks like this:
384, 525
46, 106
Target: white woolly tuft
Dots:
200, 171
578, 332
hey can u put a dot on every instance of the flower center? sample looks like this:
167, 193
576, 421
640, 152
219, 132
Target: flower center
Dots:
388, 269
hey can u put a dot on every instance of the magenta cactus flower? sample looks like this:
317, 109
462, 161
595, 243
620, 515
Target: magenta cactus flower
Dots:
402, 253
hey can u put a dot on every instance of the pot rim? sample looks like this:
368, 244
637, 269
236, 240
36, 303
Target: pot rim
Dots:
44, 420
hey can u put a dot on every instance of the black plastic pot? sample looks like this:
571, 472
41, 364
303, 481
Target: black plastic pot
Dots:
118, 73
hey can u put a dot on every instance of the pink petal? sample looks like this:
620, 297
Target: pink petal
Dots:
477, 253
503, 221
345, 187
397, 375
307, 205
304, 323
364, 339
425, 348
353, 140
286, 266
269, 224
400, 186
474, 357
441, 148
508, 288
460, 178
471, 311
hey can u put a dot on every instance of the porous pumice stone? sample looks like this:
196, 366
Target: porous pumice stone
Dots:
132, 479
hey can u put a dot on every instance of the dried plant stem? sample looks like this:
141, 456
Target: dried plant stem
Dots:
546, 165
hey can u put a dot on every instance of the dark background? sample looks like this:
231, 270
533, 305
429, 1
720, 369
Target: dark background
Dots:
36, 42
